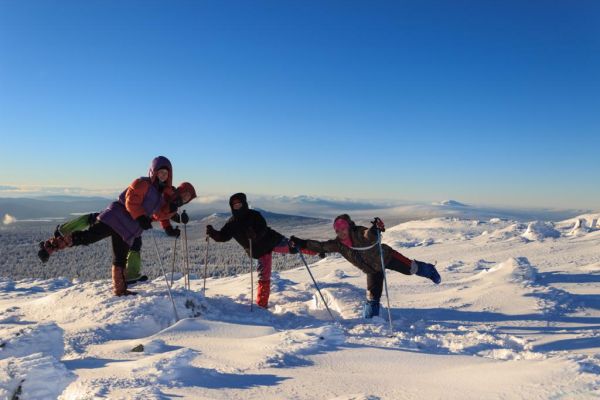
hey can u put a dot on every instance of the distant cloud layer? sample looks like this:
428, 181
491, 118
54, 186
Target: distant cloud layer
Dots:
68, 200
36, 191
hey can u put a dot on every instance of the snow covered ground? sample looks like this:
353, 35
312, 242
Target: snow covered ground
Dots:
517, 316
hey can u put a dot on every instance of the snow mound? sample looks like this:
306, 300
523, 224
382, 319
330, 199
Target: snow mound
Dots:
589, 221
538, 231
513, 270
484, 344
43, 338
581, 225
521, 270
90, 314
505, 287
164, 369
36, 376
293, 345
512, 231
435, 231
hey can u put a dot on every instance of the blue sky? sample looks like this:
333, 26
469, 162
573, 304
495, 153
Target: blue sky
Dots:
493, 102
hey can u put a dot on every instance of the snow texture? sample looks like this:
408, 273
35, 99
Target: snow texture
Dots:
516, 317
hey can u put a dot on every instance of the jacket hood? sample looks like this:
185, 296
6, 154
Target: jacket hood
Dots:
242, 211
158, 163
186, 187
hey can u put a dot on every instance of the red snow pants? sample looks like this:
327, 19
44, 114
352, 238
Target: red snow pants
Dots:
265, 263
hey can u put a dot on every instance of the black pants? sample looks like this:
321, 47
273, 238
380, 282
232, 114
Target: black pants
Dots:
137, 244
399, 263
99, 231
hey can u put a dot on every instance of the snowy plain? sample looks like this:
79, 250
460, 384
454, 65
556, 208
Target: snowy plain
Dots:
516, 317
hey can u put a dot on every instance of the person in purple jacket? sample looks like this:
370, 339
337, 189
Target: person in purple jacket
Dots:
123, 220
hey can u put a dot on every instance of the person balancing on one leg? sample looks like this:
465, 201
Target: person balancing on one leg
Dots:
123, 221
248, 227
174, 199
359, 246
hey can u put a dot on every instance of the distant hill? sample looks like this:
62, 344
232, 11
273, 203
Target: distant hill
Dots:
271, 217
52, 207
72, 199
452, 203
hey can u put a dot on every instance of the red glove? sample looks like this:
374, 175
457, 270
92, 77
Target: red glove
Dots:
378, 223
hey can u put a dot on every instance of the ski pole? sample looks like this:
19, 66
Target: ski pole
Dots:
251, 278
387, 293
316, 284
185, 219
174, 258
205, 265
184, 266
162, 271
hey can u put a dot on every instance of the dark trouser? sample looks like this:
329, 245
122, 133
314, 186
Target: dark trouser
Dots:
398, 263
99, 231
137, 244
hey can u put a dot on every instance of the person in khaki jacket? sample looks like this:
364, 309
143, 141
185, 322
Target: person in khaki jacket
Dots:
358, 245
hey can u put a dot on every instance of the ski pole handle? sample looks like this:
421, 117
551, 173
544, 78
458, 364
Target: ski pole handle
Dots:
378, 224
184, 217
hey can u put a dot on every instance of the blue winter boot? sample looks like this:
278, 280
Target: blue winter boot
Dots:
371, 309
428, 271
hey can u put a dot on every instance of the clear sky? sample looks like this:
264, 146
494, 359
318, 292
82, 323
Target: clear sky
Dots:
493, 102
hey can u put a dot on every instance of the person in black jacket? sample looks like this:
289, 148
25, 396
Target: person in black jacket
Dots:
250, 230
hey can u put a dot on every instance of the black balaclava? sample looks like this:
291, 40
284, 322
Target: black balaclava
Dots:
242, 212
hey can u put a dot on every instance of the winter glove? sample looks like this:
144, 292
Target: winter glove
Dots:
210, 231
176, 218
292, 248
184, 217
378, 224
145, 222
297, 242
251, 234
175, 203
172, 232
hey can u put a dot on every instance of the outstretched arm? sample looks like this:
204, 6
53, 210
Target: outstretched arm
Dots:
329, 246
224, 235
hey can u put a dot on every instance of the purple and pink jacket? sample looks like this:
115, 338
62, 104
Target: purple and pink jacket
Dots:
142, 197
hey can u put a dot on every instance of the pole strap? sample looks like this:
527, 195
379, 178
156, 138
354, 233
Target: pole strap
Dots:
378, 242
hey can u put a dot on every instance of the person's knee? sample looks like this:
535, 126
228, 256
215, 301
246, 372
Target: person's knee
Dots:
120, 260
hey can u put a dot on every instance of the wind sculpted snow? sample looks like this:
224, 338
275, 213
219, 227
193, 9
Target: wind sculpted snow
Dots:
516, 317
